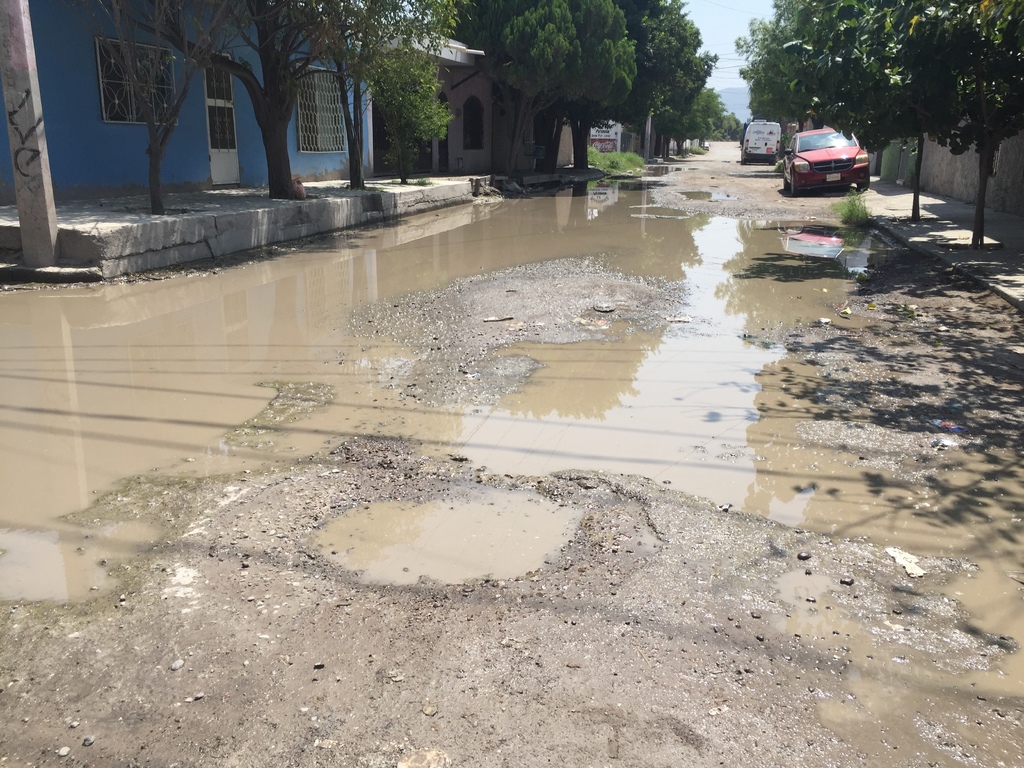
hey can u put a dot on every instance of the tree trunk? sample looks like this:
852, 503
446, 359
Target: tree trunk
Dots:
580, 143
352, 115
915, 210
986, 156
279, 165
156, 200
404, 162
516, 124
547, 132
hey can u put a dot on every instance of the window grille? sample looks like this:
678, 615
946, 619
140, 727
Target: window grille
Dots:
321, 127
119, 101
220, 110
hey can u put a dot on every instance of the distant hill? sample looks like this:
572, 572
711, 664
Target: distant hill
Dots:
737, 101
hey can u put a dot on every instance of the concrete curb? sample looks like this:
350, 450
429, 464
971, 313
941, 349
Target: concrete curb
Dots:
95, 246
957, 259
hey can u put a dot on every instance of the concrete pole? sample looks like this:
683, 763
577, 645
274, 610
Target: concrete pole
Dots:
31, 163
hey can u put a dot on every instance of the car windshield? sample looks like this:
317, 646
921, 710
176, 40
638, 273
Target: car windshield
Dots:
823, 141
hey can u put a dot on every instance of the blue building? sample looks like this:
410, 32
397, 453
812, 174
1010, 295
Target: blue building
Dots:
97, 142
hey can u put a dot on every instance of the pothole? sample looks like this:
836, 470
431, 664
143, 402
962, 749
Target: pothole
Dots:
475, 532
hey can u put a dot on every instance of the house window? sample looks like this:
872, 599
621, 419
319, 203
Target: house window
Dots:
472, 124
119, 101
320, 124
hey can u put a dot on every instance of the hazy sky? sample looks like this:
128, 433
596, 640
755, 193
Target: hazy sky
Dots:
720, 23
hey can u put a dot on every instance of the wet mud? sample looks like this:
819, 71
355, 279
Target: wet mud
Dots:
328, 550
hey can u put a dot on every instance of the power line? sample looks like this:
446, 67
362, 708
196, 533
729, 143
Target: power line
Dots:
719, 5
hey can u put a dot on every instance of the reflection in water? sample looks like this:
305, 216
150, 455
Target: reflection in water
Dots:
103, 383
673, 405
856, 250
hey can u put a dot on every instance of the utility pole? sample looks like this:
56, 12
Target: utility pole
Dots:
29, 159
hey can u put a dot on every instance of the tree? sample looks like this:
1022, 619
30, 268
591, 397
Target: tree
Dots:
542, 53
605, 71
283, 34
405, 87
150, 84
354, 33
728, 128
986, 45
781, 84
699, 122
530, 48
953, 71
670, 69
877, 79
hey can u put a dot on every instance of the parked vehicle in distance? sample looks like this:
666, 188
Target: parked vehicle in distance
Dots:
824, 159
762, 142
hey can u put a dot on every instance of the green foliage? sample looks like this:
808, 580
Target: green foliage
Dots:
891, 70
614, 162
852, 210
404, 85
699, 121
727, 129
353, 33
671, 71
540, 53
781, 82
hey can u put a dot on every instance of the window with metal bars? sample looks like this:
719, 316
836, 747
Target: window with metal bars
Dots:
119, 100
321, 126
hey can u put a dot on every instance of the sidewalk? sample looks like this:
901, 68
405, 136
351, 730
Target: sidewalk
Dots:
116, 236
945, 232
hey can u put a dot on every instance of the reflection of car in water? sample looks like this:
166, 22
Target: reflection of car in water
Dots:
813, 241
855, 250
824, 159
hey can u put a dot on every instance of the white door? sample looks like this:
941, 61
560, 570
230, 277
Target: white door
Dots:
220, 125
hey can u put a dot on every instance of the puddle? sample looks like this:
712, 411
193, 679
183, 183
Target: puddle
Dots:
103, 383
475, 533
707, 196
108, 382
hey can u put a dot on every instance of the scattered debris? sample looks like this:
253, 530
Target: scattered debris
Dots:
907, 560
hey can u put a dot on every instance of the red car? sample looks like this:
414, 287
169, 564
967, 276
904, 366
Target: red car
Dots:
823, 159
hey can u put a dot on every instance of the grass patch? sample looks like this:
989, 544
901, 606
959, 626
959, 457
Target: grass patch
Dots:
851, 210
614, 161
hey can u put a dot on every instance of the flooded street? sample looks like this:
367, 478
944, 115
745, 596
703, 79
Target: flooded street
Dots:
103, 383
739, 389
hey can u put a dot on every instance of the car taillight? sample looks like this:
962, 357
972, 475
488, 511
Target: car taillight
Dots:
801, 165
862, 158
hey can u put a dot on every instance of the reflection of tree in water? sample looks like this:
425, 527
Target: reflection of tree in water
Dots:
666, 247
583, 380
773, 288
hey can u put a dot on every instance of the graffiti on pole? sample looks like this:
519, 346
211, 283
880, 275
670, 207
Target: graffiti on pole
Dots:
24, 156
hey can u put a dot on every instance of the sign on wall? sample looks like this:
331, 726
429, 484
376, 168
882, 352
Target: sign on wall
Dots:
606, 139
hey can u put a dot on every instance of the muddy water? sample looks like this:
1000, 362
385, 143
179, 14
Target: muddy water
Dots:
477, 531
102, 383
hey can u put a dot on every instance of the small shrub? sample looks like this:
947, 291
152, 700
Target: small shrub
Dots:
851, 210
614, 161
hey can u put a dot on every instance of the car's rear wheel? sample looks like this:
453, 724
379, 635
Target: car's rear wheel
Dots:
743, 158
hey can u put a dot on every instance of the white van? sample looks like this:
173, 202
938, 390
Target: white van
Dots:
762, 142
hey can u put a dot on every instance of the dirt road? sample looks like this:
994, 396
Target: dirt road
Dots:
665, 632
